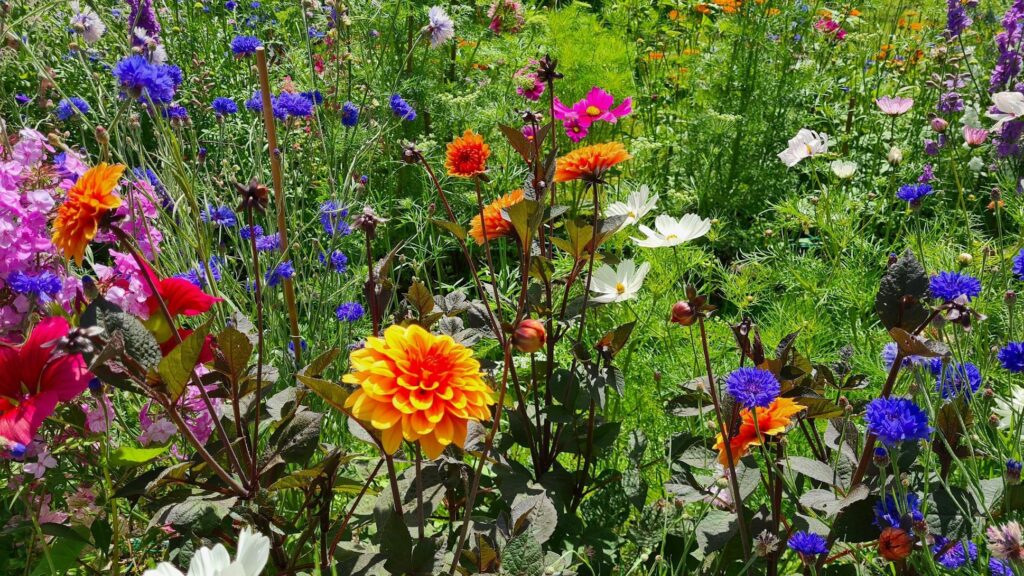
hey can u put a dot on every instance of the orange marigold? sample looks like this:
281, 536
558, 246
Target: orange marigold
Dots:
590, 162
493, 221
418, 386
771, 421
467, 155
88, 201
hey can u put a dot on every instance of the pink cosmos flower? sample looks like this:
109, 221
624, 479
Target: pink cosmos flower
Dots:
975, 136
574, 128
34, 378
597, 105
894, 106
527, 84
830, 26
506, 16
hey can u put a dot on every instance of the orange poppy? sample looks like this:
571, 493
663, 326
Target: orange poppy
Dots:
493, 221
590, 162
771, 421
467, 155
89, 200
417, 386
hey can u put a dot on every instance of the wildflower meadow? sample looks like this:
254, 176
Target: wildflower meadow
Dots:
512, 287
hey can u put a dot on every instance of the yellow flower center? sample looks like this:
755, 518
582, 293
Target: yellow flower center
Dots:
671, 237
631, 214
593, 111
810, 151
620, 288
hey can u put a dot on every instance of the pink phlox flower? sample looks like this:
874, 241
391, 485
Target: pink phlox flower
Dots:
98, 415
44, 461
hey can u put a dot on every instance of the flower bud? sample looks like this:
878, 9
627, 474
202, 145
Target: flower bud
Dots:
939, 125
1013, 469
895, 156
529, 336
895, 544
683, 314
881, 457
965, 259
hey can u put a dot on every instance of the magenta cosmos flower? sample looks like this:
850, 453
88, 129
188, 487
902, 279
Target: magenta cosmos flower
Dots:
597, 105
34, 377
894, 106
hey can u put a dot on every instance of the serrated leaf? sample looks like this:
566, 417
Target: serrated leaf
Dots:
177, 367
522, 556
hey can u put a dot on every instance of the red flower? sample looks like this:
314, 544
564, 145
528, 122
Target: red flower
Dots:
181, 297
34, 378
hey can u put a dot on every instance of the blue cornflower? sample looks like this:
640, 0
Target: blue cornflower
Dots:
948, 286
314, 97
268, 243
219, 215
401, 108
245, 45
889, 356
337, 261
896, 420
889, 514
955, 378
350, 115
68, 107
174, 112
230, 5
42, 286
282, 271
1013, 470
295, 104
999, 568
302, 344
255, 102
1011, 356
914, 193
192, 276
140, 79
332, 218
254, 5
752, 387
349, 312
1018, 265
22, 99
956, 555
807, 545
246, 232
224, 106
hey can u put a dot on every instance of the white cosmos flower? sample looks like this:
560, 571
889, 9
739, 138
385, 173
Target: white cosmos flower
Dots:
671, 232
636, 206
618, 284
1009, 409
253, 551
1010, 105
843, 169
805, 144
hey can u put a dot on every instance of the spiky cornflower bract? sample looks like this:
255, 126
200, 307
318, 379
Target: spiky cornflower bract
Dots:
1011, 356
224, 106
401, 108
349, 312
948, 286
914, 193
895, 420
955, 555
807, 545
69, 107
277, 274
752, 387
245, 45
955, 377
219, 215
889, 512
349, 114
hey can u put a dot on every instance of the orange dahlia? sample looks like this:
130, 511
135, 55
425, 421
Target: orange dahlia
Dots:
590, 162
771, 421
88, 201
493, 221
467, 155
417, 386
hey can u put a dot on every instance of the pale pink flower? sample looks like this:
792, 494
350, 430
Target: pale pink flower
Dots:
1004, 542
99, 416
894, 106
44, 461
975, 136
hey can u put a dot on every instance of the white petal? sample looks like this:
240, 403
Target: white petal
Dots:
604, 279
604, 298
253, 551
163, 569
207, 562
1009, 102
665, 224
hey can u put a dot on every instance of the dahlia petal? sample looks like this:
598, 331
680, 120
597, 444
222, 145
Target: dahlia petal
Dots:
391, 439
445, 430
431, 446
384, 416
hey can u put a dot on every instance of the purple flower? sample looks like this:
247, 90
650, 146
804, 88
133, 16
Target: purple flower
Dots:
42, 286
807, 545
224, 106
337, 261
142, 80
752, 387
401, 108
894, 420
440, 26
1008, 64
927, 174
143, 16
268, 243
957, 19
914, 193
950, 103
955, 378
174, 112
69, 107
282, 271
295, 104
1011, 357
955, 555
332, 218
889, 356
349, 114
349, 312
219, 216
247, 233
889, 514
948, 286
22, 99
245, 45
999, 568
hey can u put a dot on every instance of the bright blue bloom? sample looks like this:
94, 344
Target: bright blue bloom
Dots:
401, 108
337, 261
221, 216
1012, 356
254, 5
192, 276
955, 378
349, 312
889, 514
999, 568
752, 387
295, 104
268, 243
245, 45
914, 193
246, 233
349, 114
230, 5
42, 286
223, 106
255, 102
896, 420
956, 555
1018, 265
332, 218
174, 112
18, 451
314, 96
22, 99
140, 79
808, 544
68, 107
315, 34
278, 273
948, 286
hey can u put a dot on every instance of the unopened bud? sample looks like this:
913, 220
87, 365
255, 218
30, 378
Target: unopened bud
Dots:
895, 156
530, 336
965, 259
683, 313
939, 125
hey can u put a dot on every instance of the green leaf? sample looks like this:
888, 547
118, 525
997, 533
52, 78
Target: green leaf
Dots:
421, 299
518, 141
62, 531
330, 392
236, 349
64, 555
132, 456
176, 368
452, 227
317, 366
522, 556
101, 534
525, 216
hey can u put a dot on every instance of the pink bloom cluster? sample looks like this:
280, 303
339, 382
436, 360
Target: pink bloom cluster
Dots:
527, 84
598, 105
158, 428
506, 16
830, 27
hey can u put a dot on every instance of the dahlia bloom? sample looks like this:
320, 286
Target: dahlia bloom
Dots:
493, 222
467, 155
34, 377
78, 218
771, 421
417, 386
590, 162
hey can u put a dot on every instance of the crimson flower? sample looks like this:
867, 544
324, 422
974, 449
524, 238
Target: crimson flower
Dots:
182, 298
34, 378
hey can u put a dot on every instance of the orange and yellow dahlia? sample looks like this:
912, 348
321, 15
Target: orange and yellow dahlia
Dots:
493, 222
590, 161
467, 155
771, 421
418, 386
88, 201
